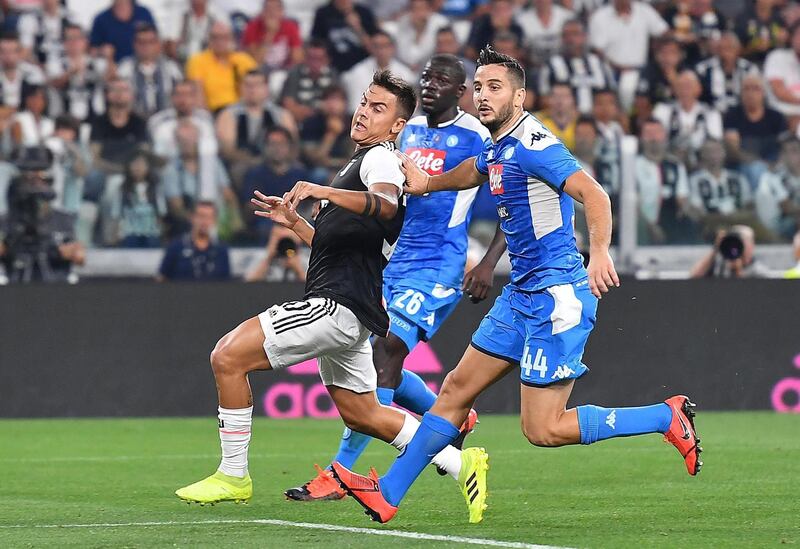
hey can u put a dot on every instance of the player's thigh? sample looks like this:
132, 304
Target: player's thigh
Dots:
296, 331
350, 367
241, 349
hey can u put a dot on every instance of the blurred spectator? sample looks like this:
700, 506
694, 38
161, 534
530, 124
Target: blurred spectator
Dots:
77, 78
272, 39
732, 256
41, 31
219, 69
417, 30
499, 18
621, 32
115, 136
326, 143
138, 210
190, 178
663, 190
274, 176
782, 72
387, 10
197, 255
70, 166
721, 75
543, 23
695, 24
383, 57
281, 251
794, 272
587, 143
115, 27
584, 71
151, 74
161, 125
447, 42
196, 26
240, 128
306, 82
688, 121
778, 193
463, 9
657, 79
15, 73
346, 27
761, 29
752, 130
561, 114
716, 195
31, 126
607, 116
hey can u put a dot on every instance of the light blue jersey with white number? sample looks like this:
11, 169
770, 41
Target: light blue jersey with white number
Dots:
527, 168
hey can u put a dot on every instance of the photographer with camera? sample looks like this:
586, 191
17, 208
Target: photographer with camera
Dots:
731, 257
282, 251
38, 243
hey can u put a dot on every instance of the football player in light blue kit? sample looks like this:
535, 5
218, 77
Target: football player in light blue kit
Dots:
544, 316
422, 284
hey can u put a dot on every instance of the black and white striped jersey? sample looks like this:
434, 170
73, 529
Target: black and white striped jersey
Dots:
721, 90
585, 75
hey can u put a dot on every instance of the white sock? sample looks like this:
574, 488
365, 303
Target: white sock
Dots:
448, 459
234, 436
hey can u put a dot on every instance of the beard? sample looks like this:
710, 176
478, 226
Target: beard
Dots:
505, 114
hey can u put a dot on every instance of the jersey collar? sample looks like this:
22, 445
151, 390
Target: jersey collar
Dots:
505, 134
459, 114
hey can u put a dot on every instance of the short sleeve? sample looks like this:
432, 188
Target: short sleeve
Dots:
380, 165
773, 66
480, 163
552, 163
655, 24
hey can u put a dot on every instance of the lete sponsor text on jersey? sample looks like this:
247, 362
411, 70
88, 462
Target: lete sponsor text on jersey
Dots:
496, 178
429, 160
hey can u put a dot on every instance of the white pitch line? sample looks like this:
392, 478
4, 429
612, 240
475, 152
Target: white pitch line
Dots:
307, 525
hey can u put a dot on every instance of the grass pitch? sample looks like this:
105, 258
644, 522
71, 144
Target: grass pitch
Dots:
621, 493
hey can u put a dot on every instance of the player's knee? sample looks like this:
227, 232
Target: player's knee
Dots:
222, 359
354, 422
543, 436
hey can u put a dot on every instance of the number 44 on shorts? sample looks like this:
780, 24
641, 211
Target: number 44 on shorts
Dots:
539, 363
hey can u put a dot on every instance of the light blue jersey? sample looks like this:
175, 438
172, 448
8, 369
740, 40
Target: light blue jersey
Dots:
543, 318
422, 282
433, 243
527, 169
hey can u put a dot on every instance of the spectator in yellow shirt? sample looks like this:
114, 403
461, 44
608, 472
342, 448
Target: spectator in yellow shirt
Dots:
219, 69
561, 114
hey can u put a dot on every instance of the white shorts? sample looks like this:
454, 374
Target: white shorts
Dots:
320, 328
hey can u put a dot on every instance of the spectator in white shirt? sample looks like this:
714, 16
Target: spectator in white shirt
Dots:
41, 31
15, 73
689, 122
30, 126
542, 25
358, 78
621, 31
195, 26
778, 194
782, 72
417, 30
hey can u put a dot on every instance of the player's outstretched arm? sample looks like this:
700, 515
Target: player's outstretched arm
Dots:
583, 188
479, 280
463, 176
279, 211
381, 200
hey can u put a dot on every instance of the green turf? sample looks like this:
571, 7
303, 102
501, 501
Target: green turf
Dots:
622, 493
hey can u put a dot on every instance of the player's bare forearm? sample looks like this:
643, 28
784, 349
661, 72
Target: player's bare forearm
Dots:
304, 231
463, 176
380, 201
496, 248
584, 188
480, 279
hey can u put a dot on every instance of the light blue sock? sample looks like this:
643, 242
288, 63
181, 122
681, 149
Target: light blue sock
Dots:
433, 434
353, 443
598, 423
413, 394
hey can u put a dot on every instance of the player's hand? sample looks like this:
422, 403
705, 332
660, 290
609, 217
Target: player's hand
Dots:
602, 274
478, 282
274, 208
417, 181
303, 190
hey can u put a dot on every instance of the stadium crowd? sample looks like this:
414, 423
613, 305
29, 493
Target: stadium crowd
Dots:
162, 117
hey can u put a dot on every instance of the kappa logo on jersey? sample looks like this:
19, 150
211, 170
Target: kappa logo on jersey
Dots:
429, 160
496, 179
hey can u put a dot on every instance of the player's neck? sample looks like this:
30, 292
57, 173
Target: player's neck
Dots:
374, 141
510, 123
438, 118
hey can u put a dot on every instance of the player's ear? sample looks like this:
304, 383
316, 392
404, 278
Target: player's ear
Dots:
460, 91
519, 98
398, 126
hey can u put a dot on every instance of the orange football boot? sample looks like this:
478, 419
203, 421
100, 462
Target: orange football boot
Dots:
322, 487
366, 491
682, 434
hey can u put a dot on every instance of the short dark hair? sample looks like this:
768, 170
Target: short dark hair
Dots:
69, 25
605, 91
9, 36
316, 43
257, 72
143, 27
446, 29
453, 63
333, 90
281, 130
402, 90
68, 122
381, 32
488, 56
205, 203
588, 120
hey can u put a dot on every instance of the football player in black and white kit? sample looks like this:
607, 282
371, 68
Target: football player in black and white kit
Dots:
360, 219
